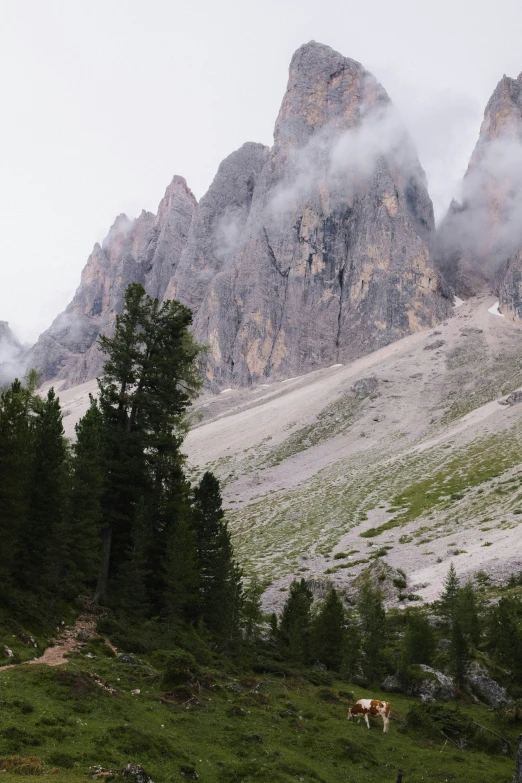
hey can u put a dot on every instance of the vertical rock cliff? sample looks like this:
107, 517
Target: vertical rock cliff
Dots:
145, 250
310, 253
479, 236
333, 261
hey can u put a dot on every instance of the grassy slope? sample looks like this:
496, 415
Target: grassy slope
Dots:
287, 732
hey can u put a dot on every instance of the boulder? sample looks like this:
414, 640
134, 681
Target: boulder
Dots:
514, 398
487, 689
393, 684
136, 774
434, 686
127, 658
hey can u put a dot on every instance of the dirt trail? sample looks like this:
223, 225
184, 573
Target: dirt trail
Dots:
69, 640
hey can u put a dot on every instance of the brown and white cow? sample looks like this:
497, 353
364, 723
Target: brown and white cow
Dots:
366, 707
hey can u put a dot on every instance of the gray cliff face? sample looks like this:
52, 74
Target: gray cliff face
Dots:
510, 288
144, 250
479, 236
169, 237
307, 254
218, 226
334, 260
11, 355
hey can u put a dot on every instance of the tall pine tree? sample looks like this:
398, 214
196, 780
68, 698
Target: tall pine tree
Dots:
16, 456
220, 578
85, 504
150, 377
41, 547
373, 630
328, 632
296, 621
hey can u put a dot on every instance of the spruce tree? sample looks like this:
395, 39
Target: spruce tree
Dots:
467, 613
295, 623
41, 548
373, 630
220, 578
252, 614
505, 635
86, 496
459, 652
448, 599
181, 575
352, 648
150, 377
328, 632
419, 642
16, 456
131, 593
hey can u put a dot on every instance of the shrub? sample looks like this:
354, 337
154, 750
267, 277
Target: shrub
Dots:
179, 667
60, 759
22, 766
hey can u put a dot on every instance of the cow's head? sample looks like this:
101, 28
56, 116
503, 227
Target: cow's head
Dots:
350, 713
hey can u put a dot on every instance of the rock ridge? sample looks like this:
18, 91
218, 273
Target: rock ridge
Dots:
310, 253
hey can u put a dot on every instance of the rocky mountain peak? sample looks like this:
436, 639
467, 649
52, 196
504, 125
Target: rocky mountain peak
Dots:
478, 238
146, 250
325, 90
314, 252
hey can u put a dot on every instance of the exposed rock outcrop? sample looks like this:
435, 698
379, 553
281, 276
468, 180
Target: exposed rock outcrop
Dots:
434, 686
219, 225
334, 261
510, 288
144, 250
486, 688
313, 252
478, 237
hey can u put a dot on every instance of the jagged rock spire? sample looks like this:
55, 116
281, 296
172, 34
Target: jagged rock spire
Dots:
313, 252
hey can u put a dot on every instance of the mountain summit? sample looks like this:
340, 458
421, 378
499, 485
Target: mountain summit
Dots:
313, 252
483, 234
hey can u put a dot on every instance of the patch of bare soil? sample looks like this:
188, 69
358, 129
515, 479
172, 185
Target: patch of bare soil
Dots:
68, 641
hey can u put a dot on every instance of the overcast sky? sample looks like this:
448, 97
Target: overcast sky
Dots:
103, 101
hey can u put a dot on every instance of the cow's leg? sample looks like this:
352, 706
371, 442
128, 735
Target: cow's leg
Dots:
385, 723
366, 719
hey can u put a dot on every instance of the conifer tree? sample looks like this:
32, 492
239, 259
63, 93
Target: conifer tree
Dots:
41, 551
131, 593
15, 469
85, 506
419, 642
177, 548
295, 622
181, 575
220, 578
373, 630
459, 652
351, 661
467, 613
328, 632
448, 599
505, 634
252, 614
150, 377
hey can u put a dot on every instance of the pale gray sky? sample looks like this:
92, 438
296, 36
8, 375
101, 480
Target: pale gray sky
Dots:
103, 101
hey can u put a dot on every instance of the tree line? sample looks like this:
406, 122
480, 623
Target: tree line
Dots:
365, 642
114, 518
112, 515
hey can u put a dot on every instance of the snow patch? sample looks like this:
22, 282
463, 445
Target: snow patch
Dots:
225, 390
457, 301
335, 365
495, 311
